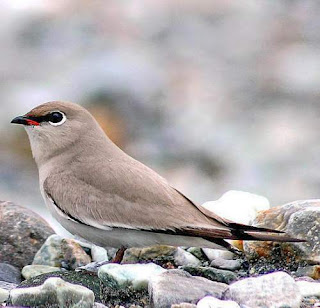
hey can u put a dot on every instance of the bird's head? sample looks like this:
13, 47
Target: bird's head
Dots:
56, 127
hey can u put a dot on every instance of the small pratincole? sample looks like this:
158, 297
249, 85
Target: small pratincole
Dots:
100, 193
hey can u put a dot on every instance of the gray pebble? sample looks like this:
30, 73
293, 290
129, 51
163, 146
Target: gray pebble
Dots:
182, 257
177, 286
231, 265
30, 271
211, 273
275, 290
213, 254
7, 285
9, 273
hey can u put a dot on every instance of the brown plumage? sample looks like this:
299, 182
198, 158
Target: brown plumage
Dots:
103, 195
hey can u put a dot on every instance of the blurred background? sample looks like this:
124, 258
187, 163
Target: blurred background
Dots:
213, 94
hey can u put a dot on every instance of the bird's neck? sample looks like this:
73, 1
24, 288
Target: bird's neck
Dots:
83, 150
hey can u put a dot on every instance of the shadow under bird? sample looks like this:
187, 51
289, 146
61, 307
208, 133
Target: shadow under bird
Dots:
98, 192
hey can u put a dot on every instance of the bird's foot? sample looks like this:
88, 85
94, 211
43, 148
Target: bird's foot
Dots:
92, 267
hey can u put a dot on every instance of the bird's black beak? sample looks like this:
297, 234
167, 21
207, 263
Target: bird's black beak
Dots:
24, 120
19, 120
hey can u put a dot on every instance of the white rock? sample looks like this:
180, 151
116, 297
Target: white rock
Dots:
212, 302
99, 254
182, 257
213, 254
137, 275
4, 294
230, 265
308, 288
238, 206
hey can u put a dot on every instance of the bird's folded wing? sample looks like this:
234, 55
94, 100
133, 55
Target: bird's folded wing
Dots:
126, 195
130, 195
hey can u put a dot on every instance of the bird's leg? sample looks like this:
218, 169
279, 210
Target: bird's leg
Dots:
119, 255
94, 266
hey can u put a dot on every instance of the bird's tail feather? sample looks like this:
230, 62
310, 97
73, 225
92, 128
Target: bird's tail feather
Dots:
238, 234
260, 236
236, 231
251, 233
248, 228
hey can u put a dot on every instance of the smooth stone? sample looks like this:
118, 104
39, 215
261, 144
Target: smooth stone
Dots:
211, 273
135, 255
105, 294
84, 278
299, 219
308, 288
99, 254
50, 253
213, 254
238, 206
310, 271
9, 273
182, 257
177, 286
28, 231
61, 252
54, 291
230, 265
135, 275
212, 302
74, 255
275, 290
30, 271
4, 295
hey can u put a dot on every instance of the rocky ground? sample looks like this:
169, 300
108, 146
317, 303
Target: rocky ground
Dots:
42, 269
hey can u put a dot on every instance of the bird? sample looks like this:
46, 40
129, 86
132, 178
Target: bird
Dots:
102, 195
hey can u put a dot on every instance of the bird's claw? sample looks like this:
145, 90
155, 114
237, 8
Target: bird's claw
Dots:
92, 267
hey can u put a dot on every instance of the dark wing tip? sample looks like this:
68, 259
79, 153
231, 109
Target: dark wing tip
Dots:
297, 240
242, 227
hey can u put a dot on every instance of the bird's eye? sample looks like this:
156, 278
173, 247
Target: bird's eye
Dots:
57, 118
